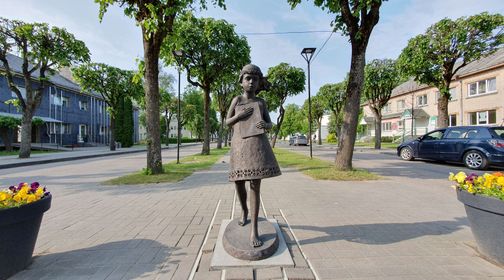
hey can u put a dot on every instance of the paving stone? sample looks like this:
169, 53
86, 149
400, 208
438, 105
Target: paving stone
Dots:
239, 274
273, 273
299, 274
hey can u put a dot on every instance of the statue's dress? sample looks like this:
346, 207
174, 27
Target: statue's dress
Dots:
251, 157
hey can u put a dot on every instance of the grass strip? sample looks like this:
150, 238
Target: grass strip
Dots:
385, 145
320, 169
173, 172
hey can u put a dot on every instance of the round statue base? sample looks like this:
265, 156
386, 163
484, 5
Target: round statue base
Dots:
236, 240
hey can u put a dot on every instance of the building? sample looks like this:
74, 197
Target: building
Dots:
71, 116
477, 99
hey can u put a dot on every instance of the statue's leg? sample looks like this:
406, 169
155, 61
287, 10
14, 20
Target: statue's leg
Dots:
255, 200
242, 196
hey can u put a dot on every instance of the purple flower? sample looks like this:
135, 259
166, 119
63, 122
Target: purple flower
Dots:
34, 185
471, 178
20, 185
12, 188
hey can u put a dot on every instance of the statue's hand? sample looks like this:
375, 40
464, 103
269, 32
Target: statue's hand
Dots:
246, 112
261, 124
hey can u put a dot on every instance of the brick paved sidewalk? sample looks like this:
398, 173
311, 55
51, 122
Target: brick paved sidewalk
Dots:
387, 229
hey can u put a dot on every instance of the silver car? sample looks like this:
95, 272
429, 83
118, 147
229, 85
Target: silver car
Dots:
300, 140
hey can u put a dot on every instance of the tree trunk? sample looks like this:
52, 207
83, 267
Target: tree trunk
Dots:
151, 87
221, 132
442, 120
226, 138
5, 134
112, 133
206, 130
26, 133
377, 129
279, 125
344, 152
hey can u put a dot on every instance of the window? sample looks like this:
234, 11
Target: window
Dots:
400, 124
452, 120
83, 105
100, 109
435, 135
65, 101
102, 129
53, 129
22, 90
456, 133
386, 108
67, 128
422, 100
387, 126
55, 99
401, 104
483, 117
483, 87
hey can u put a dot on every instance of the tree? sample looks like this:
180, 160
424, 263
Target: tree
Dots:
435, 57
112, 83
285, 81
224, 90
381, 77
193, 98
169, 103
124, 123
356, 19
156, 19
212, 50
292, 120
318, 110
43, 49
333, 97
7, 126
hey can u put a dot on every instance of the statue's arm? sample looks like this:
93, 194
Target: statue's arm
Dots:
266, 117
231, 118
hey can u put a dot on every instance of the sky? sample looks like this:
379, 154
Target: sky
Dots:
117, 40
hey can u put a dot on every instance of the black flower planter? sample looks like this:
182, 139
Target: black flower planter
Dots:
486, 217
19, 228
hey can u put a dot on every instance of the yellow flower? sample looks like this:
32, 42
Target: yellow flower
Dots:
470, 188
460, 177
31, 198
39, 192
500, 181
4, 196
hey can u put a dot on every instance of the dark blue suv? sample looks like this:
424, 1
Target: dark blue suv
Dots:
475, 146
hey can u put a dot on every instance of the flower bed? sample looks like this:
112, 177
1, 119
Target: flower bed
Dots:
21, 195
487, 184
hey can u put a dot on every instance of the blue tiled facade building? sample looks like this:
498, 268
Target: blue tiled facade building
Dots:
71, 117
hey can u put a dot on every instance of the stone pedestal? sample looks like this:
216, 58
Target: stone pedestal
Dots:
236, 240
222, 259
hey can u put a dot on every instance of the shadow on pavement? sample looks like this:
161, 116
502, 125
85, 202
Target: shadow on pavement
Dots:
378, 234
126, 259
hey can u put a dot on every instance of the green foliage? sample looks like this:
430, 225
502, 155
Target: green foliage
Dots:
124, 127
381, 77
333, 98
293, 120
9, 122
37, 121
331, 138
317, 112
285, 81
43, 49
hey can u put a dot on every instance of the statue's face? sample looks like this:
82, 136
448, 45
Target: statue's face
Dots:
250, 82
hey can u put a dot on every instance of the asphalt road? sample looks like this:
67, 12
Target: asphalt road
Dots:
385, 162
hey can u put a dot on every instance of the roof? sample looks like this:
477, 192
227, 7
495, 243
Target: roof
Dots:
16, 64
19, 116
494, 60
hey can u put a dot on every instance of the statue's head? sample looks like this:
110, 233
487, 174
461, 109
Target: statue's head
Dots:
250, 69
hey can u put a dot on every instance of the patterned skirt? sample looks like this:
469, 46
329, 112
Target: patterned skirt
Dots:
252, 158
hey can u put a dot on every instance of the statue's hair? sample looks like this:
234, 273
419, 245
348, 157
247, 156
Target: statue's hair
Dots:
250, 69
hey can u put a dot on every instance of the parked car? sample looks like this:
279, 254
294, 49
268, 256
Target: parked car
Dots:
292, 138
301, 140
475, 146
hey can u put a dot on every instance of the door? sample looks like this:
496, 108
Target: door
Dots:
82, 133
452, 145
429, 144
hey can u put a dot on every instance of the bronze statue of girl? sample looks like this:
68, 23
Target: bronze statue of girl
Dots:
251, 158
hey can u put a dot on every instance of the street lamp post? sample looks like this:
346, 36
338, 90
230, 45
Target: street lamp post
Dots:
307, 54
178, 54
